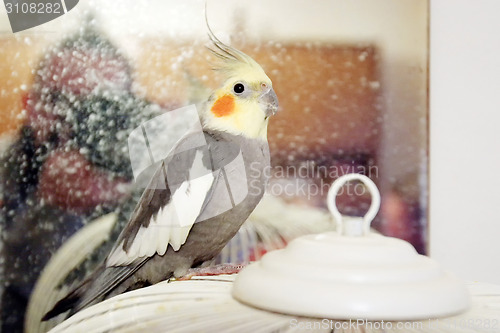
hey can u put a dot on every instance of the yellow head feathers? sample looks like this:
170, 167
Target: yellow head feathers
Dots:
246, 100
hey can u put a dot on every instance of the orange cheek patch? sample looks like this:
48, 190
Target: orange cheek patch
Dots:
223, 106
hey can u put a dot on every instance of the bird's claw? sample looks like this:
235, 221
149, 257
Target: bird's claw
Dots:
211, 271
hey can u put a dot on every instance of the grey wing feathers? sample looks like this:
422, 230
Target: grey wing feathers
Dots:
157, 195
159, 191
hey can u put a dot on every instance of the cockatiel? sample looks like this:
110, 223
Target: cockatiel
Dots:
200, 195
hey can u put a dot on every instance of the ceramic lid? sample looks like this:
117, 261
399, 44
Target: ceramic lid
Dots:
351, 274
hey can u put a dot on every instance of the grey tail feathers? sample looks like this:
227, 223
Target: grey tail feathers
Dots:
94, 288
75, 300
70, 302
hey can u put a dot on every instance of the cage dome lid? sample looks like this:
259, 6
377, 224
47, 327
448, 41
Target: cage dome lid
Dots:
351, 274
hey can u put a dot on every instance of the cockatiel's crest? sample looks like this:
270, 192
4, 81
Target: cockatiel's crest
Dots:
234, 63
246, 100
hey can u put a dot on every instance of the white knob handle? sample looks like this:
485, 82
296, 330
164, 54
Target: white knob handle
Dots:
364, 226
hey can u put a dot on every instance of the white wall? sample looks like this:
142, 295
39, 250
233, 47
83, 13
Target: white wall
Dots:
465, 137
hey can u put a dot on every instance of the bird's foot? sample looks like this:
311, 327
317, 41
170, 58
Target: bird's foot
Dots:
212, 270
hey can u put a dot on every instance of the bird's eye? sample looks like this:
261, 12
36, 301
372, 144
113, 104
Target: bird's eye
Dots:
239, 88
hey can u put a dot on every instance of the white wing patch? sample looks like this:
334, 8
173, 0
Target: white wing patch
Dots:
172, 222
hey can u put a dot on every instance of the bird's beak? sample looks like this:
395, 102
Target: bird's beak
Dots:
269, 102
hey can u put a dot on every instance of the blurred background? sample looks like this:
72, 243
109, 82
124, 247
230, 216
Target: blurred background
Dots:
351, 77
